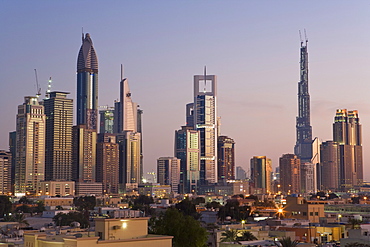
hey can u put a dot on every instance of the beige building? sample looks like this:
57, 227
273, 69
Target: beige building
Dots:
299, 208
57, 188
126, 232
30, 146
5, 172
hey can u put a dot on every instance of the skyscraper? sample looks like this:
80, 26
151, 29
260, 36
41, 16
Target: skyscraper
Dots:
205, 120
127, 124
13, 151
290, 173
106, 120
168, 172
303, 147
226, 158
347, 132
261, 172
30, 147
58, 144
187, 145
87, 84
107, 162
5, 172
329, 166
83, 154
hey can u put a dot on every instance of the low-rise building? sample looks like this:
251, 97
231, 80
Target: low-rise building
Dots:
299, 208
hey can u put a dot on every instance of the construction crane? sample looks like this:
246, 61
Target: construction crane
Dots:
37, 85
47, 94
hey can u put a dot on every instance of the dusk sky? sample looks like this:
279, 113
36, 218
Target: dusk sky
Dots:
252, 46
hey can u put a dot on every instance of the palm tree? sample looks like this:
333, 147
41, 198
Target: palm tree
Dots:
247, 236
230, 236
287, 242
355, 223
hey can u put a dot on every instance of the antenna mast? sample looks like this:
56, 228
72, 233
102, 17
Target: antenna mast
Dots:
300, 37
305, 36
47, 94
37, 85
205, 78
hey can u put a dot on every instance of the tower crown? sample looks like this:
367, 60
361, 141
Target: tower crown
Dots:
87, 59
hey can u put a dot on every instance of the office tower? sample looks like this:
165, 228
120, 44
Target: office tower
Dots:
106, 119
329, 164
30, 147
58, 140
308, 178
168, 172
290, 174
107, 163
240, 173
205, 120
83, 154
303, 148
190, 114
87, 84
140, 130
13, 151
261, 170
347, 133
187, 149
316, 144
129, 160
5, 173
226, 158
127, 126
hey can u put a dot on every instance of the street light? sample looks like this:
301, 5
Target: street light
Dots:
243, 222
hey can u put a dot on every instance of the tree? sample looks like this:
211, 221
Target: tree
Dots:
24, 209
24, 200
84, 203
230, 236
233, 210
355, 223
62, 219
187, 231
286, 242
5, 205
40, 207
187, 207
143, 203
247, 236
17, 217
199, 200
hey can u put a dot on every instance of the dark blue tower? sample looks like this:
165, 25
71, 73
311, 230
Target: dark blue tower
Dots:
87, 84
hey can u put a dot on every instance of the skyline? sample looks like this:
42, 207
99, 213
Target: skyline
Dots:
255, 57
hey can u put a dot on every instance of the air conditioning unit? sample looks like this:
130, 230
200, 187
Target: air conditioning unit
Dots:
116, 227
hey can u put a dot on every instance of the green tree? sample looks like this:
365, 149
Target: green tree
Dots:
142, 203
199, 200
187, 207
67, 219
40, 207
17, 217
84, 203
213, 204
187, 231
24, 209
247, 236
355, 223
233, 210
24, 200
287, 242
230, 236
5, 205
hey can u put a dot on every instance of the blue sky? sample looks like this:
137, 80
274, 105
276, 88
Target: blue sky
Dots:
252, 46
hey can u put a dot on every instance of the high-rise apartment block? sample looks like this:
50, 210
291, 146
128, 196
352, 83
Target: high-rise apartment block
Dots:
261, 172
106, 120
205, 120
330, 166
308, 178
226, 158
5, 173
240, 173
58, 144
107, 163
13, 151
303, 147
290, 174
84, 154
168, 172
347, 133
30, 146
87, 84
187, 149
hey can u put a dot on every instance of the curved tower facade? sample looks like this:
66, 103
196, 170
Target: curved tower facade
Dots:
87, 84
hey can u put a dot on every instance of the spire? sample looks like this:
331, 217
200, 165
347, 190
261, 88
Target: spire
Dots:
87, 59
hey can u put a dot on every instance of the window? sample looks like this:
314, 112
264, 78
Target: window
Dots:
316, 213
304, 213
311, 213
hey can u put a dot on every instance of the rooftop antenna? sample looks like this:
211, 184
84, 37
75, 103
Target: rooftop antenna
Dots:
121, 72
47, 94
305, 36
37, 85
300, 37
205, 78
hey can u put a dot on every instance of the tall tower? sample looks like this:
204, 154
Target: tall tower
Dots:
30, 147
290, 173
5, 172
226, 158
205, 120
168, 172
261, 171
58, 144
87, 84
347, 132
303, 147
329, 166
